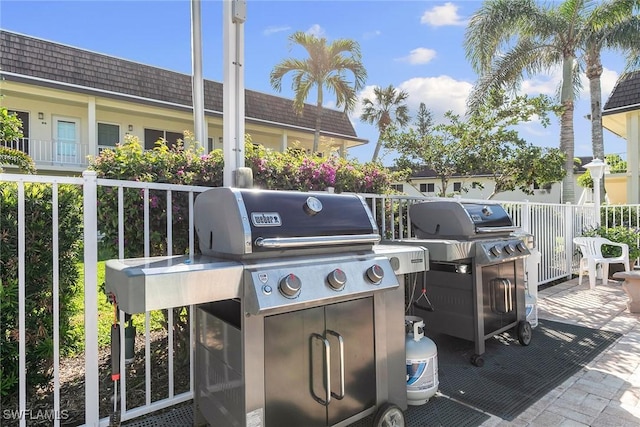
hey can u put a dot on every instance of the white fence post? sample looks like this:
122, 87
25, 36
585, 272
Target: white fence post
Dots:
525, 220
90, 209
568, 233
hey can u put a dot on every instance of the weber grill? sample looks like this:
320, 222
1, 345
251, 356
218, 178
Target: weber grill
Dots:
287, 289
475, 281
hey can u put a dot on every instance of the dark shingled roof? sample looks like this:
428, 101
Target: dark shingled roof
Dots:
97, 73
625, 95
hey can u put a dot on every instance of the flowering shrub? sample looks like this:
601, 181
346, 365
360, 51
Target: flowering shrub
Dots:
294, 170
186, 164
179, 164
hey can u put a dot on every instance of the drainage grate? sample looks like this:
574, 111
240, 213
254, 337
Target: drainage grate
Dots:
176, 417
438, 411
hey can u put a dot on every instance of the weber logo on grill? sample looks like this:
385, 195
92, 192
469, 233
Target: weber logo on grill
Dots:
266, 219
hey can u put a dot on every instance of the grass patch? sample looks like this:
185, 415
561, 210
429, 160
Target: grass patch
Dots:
106, 312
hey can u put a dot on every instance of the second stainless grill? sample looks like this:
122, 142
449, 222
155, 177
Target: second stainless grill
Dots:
475, 281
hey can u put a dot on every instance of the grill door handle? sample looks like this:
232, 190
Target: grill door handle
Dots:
296, 242
341, 350
327, 370
510, 292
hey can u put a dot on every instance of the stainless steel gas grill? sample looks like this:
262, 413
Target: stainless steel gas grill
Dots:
298, 321
475, 281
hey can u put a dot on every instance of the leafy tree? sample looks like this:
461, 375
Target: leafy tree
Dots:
485, 143
326, 67
10, 126
11, 130
508, 39
388, 107
424, 120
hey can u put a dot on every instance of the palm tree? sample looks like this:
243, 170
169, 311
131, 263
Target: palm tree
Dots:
611, 25
508, 39
387, 108
326, 67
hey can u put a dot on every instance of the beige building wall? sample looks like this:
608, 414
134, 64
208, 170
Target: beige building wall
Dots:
616, 188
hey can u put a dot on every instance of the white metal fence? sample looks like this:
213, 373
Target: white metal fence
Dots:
553, 226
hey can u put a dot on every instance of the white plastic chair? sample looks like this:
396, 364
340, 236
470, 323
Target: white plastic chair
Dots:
591, 250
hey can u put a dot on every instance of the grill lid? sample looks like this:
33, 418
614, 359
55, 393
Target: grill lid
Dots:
236, 222
457, 220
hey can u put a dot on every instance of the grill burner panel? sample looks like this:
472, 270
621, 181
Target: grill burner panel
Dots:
269, 289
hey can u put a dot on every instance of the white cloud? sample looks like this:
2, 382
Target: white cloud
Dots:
440, 16
543, 84
549, 84
316, 30
607, 82
273, 29
371, 34
420, 55
439, 94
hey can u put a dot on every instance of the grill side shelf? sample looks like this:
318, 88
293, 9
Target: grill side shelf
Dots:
144, 284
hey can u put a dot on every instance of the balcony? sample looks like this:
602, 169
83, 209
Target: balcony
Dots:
52, 154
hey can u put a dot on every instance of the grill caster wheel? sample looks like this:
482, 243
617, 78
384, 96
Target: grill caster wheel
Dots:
389, 415
477, 360
524, 332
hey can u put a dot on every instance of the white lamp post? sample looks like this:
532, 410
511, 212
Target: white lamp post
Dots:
596, 168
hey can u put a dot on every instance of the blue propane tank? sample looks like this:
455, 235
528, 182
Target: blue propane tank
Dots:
422, 363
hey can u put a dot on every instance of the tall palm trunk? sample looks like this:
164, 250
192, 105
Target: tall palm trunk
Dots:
316, 133
567, 144
376, 151
594, 73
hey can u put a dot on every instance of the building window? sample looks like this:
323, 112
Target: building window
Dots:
428, 188
151, 136
108, 135
457, 187
398, 187
22, 144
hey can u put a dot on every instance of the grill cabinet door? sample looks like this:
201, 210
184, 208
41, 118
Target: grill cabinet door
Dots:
499, 283
289, 375
295, 345
353, 320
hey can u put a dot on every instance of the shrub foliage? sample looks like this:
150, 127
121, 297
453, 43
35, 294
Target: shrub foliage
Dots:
186, 164
38, 265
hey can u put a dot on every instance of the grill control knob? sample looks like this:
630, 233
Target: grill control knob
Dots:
521, 247
375, 273
496, 250
337, 279
290, 285
510, 248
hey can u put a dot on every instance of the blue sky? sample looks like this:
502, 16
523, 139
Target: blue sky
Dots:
413, 45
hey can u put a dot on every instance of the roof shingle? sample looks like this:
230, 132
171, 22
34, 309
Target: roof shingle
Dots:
626, 93
32, 57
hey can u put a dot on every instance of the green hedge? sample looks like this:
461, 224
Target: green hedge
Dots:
186, 164
38, 280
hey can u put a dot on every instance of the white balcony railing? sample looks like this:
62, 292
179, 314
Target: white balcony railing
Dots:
52, 152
